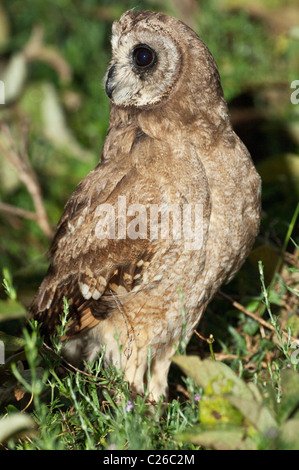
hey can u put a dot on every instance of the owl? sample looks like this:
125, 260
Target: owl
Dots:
168, 215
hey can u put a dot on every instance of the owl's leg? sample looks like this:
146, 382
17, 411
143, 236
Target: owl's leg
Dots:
159, 371
73, 351
135, 367
136, 371
135, 374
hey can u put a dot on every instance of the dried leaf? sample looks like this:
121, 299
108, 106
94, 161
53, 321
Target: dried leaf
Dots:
19, 393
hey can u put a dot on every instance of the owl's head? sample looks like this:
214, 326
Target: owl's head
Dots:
153, 56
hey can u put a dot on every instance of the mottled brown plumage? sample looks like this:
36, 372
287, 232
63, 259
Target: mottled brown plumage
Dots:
169, 142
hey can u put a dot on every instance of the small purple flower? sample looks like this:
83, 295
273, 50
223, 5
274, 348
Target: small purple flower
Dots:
129, 406
197, 397
288, 365
272, 433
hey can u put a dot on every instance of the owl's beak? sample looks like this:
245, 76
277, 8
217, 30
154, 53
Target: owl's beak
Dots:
110, 85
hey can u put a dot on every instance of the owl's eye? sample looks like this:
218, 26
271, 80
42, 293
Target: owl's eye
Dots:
144, 56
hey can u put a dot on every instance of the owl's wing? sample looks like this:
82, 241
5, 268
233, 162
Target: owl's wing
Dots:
90, 271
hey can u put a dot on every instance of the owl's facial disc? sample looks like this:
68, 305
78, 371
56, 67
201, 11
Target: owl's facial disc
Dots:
144, 68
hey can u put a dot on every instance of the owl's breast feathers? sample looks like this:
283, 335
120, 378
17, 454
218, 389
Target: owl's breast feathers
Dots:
96, 274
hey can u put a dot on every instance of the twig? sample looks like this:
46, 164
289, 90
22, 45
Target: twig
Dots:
69, 366
210, 340
181, 389
35, 49
17, 211
20, 161
28, 404
254, 316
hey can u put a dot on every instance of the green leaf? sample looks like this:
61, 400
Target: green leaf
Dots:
220, 437
4, 27
269, 256
11, 343
290, 394
293, 324
257, 414
216, 408
289, 435
214, 376
15, 425
255, 392
8, 285
296, 292
280, 169
11, 309
108, 398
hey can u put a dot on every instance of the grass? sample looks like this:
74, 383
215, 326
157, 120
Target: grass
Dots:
93, 409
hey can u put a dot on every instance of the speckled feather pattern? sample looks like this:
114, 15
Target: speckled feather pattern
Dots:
169, 141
